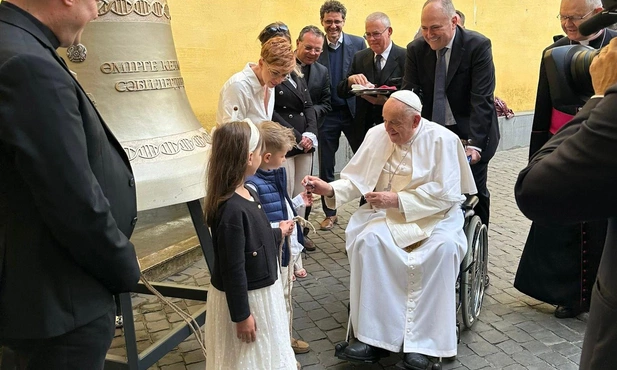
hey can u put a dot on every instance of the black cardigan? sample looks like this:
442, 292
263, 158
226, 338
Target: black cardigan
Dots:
245, 252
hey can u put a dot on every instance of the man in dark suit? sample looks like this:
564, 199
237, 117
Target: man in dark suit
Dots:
547, 119
382, 64
559, 262
338, 51
308, 49
573, 178
67, 197
465, 101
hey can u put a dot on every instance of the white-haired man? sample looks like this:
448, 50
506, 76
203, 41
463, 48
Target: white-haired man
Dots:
559, 263
406, 244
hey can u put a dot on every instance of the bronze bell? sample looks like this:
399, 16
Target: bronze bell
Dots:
131, 73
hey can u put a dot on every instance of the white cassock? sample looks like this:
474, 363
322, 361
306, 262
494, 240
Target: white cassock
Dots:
404, 262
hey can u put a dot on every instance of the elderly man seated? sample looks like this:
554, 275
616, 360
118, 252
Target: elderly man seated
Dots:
406, 244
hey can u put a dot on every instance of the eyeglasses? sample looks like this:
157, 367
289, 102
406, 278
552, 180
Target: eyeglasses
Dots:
330, 22
309, 49
374, 35
573, 18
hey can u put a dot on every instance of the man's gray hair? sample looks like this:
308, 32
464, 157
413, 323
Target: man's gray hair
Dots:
312, 29
409, 111
379, 16
593, 4
461, 15
446, 7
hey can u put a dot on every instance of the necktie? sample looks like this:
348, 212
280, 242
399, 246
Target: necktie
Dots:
378, 59
439, 93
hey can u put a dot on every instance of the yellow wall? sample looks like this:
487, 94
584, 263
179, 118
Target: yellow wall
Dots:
214, 39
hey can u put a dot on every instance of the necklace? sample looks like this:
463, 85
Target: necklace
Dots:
391, 175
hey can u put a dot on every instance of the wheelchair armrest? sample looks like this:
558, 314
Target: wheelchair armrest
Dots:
470, 203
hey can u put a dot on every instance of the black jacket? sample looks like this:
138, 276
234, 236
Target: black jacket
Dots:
544, 105
367, 114
67, 194
318, 83
245, 252
293, 108
571, 179
470, 86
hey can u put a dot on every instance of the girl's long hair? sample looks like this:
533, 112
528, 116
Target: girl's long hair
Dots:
227, 165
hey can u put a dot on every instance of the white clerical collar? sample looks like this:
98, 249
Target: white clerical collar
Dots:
591, 38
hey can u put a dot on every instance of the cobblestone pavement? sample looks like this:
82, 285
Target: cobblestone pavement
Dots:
513, 332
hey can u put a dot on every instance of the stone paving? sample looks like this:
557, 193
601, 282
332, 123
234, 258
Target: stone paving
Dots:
513, 332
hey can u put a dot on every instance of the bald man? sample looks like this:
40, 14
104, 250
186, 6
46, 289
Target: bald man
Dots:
67, 196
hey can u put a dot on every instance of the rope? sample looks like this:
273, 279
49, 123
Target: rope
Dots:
304, 223
188, 319
290, 272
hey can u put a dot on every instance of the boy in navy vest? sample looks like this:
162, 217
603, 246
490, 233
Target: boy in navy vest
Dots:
270, 182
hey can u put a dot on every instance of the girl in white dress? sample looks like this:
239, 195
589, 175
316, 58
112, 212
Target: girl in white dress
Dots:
246, 321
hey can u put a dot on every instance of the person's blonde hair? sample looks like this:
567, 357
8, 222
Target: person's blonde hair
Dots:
277, 52
276, 138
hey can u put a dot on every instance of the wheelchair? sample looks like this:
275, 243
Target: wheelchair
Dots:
470, 285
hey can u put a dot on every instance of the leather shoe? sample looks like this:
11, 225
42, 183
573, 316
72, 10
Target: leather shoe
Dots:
565, 312
359, 351
418, 361
299, 346
328, 223
309, 245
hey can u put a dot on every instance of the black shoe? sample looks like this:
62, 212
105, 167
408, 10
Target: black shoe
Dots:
564, 312
418, 361
309, 245
359, 351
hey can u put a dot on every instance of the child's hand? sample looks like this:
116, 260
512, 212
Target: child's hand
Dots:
307, 197
246, 330
287, 227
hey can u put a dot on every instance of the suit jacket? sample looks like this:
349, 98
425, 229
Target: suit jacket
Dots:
293, 108
67, 195
367, 114
351, 45
571, 179
470, 85
319, 89
544, 104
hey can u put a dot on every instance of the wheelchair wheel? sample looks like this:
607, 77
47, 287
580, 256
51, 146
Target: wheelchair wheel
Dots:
473, 271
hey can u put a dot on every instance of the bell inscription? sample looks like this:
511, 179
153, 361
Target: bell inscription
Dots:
140, 66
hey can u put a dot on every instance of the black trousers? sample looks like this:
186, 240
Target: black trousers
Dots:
480, 171
337, 121
80, 349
